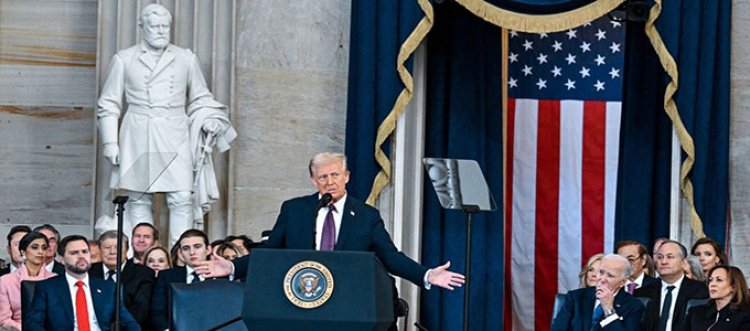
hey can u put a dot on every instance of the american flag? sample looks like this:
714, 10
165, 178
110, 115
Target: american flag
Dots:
563, 129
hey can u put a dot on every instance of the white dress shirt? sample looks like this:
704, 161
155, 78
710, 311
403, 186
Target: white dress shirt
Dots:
321, 218
676, 290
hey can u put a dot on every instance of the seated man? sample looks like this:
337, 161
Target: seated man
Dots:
669, 296
145, 236
637, 254
137, 280
73, 301
194, 248
604, 307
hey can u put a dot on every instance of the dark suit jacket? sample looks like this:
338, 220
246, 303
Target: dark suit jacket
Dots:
52, 307
648, 280
690, 289
5, 270
58, 268
137, 285
160, 298
701, 317
362, 229
577, 312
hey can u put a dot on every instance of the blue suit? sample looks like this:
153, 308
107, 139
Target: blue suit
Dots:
577, 312
52, 306
362, 229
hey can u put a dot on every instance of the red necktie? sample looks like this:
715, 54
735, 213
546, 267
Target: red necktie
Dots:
82, 308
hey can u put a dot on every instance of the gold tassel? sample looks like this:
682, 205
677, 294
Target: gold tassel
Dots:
670, 107
539, 23
389, 123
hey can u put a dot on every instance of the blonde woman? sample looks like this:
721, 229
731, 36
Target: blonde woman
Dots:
587, 276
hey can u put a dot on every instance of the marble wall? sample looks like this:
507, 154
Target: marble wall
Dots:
47, 74
290, 92
739, 153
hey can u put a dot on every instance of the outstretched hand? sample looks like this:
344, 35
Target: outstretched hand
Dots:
441, 276
217, 266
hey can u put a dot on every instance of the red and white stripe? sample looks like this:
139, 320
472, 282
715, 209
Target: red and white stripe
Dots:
561, 182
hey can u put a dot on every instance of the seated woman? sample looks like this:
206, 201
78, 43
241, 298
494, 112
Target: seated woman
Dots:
157, 258
709, 253
32, 246
589, 272
729, 306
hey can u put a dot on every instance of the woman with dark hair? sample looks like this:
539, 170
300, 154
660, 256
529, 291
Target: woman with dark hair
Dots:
229, 251
709, 253
32, 247
729, 306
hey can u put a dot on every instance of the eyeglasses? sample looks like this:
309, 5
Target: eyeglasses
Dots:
324, 178
632, 259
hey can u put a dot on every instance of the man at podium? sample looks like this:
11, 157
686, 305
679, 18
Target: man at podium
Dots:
341, 222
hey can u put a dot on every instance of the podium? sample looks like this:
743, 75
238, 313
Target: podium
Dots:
291, 290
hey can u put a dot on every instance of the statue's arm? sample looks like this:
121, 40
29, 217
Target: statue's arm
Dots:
109, 108
110, 99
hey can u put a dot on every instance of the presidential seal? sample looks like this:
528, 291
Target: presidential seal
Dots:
308, 284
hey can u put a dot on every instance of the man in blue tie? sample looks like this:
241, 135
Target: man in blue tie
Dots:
604, 307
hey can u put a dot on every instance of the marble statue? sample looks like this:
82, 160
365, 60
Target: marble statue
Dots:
169, 130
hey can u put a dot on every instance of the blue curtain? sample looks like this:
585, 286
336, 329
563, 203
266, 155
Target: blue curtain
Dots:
696, 34
464, 120
642, 211
378, 28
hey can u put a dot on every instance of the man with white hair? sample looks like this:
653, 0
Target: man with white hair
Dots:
172, 119
604, 307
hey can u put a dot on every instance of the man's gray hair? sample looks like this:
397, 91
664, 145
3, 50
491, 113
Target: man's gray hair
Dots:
153, 9
325, 158
619, 258
112, 234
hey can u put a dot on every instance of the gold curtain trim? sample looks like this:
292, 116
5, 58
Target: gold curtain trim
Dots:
670, 107
539, 23
389, 123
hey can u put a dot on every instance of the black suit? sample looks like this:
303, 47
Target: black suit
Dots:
5, 270
649, 280
362, 229
58, 268
577, 312
160, 297
704, 316
137, 284
690, 289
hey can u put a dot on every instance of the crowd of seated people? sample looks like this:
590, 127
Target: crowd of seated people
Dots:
677, 290
145, 277
670, 282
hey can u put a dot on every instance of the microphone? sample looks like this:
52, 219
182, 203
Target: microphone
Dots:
324, 201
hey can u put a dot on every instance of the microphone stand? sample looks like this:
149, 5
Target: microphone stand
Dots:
469, 210
120, 202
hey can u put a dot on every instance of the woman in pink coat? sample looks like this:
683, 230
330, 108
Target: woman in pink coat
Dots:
32, 247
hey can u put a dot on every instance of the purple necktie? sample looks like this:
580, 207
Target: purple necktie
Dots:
631, 288
328, 237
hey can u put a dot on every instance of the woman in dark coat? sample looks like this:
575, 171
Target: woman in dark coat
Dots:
729, 306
